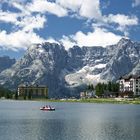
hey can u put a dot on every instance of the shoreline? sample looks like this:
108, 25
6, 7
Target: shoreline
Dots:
90, 100
94, 100
100, 101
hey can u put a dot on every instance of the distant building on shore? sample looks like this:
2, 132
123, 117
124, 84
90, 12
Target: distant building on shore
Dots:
130, 83
35, 91
87, 94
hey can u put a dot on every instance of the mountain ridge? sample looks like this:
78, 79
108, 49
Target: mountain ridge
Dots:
67, 71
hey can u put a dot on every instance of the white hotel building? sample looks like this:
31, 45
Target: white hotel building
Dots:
130, 83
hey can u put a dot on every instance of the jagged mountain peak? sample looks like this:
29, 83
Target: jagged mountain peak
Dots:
125, 39
126, 56
63, 71
124, 42
46, 46
44, 51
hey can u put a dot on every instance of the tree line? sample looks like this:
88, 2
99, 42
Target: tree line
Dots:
6, 93
9, 94
103, 89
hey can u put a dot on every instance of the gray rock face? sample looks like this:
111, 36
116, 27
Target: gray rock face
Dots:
126, 56
136, 69
80, 57
41, 64
6, 62
66, 72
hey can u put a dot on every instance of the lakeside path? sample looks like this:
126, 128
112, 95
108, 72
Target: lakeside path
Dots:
95, 100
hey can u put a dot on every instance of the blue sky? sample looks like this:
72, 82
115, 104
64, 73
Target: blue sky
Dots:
69, 22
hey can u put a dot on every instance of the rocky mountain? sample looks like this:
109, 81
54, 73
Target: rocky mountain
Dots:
66, 72
6, 62
126, 57
41, 64
136, 69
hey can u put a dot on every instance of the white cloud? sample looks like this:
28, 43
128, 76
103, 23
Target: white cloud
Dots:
18, 40
18, 4
122, 20
22, 19
8, 17
32, 15
99, 37
44, 6
136, 3
90, 9
24, 23
68, 42
20, 7
51, 40
73, 5
28, 23
84, 8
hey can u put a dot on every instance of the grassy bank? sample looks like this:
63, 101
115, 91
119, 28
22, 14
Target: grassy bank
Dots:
112, 101
99, 100
91, 100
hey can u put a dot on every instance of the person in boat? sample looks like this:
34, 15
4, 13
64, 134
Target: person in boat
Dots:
48, 106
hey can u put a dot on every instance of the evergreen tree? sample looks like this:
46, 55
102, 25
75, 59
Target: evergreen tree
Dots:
117, 86
105, 86
25, 96
16, 95
109, 86
89, 88
30, 95
5, 93
46, 94
92, 87
99, 89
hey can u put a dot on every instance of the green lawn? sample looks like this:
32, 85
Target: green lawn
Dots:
111, 100
91, 100
99, 100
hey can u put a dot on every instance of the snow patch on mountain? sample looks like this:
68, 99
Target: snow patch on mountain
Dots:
63, 71
84, 76
100, 66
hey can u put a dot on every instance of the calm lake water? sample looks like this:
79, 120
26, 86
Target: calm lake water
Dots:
22, 120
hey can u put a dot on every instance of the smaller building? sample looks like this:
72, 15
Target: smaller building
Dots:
130, 83
33, 91
87, 94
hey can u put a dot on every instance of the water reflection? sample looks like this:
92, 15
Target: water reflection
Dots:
69, 122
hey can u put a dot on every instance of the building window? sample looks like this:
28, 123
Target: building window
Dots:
42, 92
35, 91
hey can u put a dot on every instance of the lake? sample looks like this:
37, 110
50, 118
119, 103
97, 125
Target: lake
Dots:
22, 120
